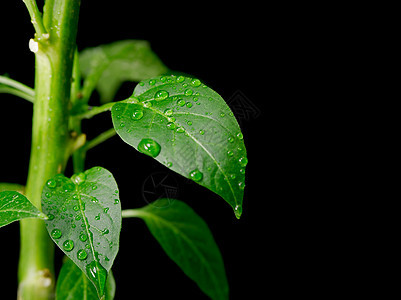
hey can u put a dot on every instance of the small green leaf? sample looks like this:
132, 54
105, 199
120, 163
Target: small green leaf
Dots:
72, 284
85, 220
108, 66
14, 207
187, 240
188, 127
12, 187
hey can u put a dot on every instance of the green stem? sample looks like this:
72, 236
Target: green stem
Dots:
94, 110
99, 139
17, 85
36, 17
50, 146
18, 93
132, 213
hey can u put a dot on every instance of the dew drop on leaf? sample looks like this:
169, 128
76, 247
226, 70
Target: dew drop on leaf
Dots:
149, 147
241, 185
243, 161
196, 175
195, 82
188, 92
82, 254
79, 178
180, 79
68, 245
189, 104
51, 183
181, 102
137, 114
56, 233
83, 237
170, 125
161, 95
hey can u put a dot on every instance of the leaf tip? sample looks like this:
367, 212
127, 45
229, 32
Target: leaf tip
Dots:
238, 211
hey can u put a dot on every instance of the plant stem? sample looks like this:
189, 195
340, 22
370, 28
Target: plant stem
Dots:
95, 110
36, 17
104, 136
50, 144
17, 85
18, 93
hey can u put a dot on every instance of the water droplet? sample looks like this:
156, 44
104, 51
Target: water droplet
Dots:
240, 136
189, 104
152, 81
189, 123
163, 78
48, 195
188, 92
169, 164
230, 153
50, 217
147, 104
68, 245
73, 225
231, 139
222, 114
238, 211
181, 102
77, 217
243, 161
201, 132
116, 201
141, 83
171, 119
82, 255
137, 114
161, 95
149, 147
195, 82
106, 209
171, 126
56, 233
97, 274
122, 124
168, 112
76, 208
232, 176
83, 237
51, 183
196, 175
105, 231
78, 178
180, 79
196, 99
241, 185
180, 130
242, 171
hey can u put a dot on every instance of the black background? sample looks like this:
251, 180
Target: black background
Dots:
227, 48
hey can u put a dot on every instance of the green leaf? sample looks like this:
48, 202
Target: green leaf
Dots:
14, 207
85, 220
187, 240
12, 187
72, 284
106, 67
188, 127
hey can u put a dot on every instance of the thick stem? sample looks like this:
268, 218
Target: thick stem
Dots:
50, 145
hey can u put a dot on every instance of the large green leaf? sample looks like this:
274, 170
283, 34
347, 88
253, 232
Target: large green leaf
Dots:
188, 127
85, 220
187, 240
72, 284
108, 66
14, 207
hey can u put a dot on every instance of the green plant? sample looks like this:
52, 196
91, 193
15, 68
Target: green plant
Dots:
175, 119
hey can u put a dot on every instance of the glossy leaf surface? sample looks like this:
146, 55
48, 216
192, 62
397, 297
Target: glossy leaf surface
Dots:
187, 240
14, 207
73, 284
189, 128
85, 220
106, 67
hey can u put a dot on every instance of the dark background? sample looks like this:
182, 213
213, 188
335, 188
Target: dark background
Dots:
228, 49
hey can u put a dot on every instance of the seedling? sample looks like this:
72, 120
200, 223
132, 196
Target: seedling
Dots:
175, 119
